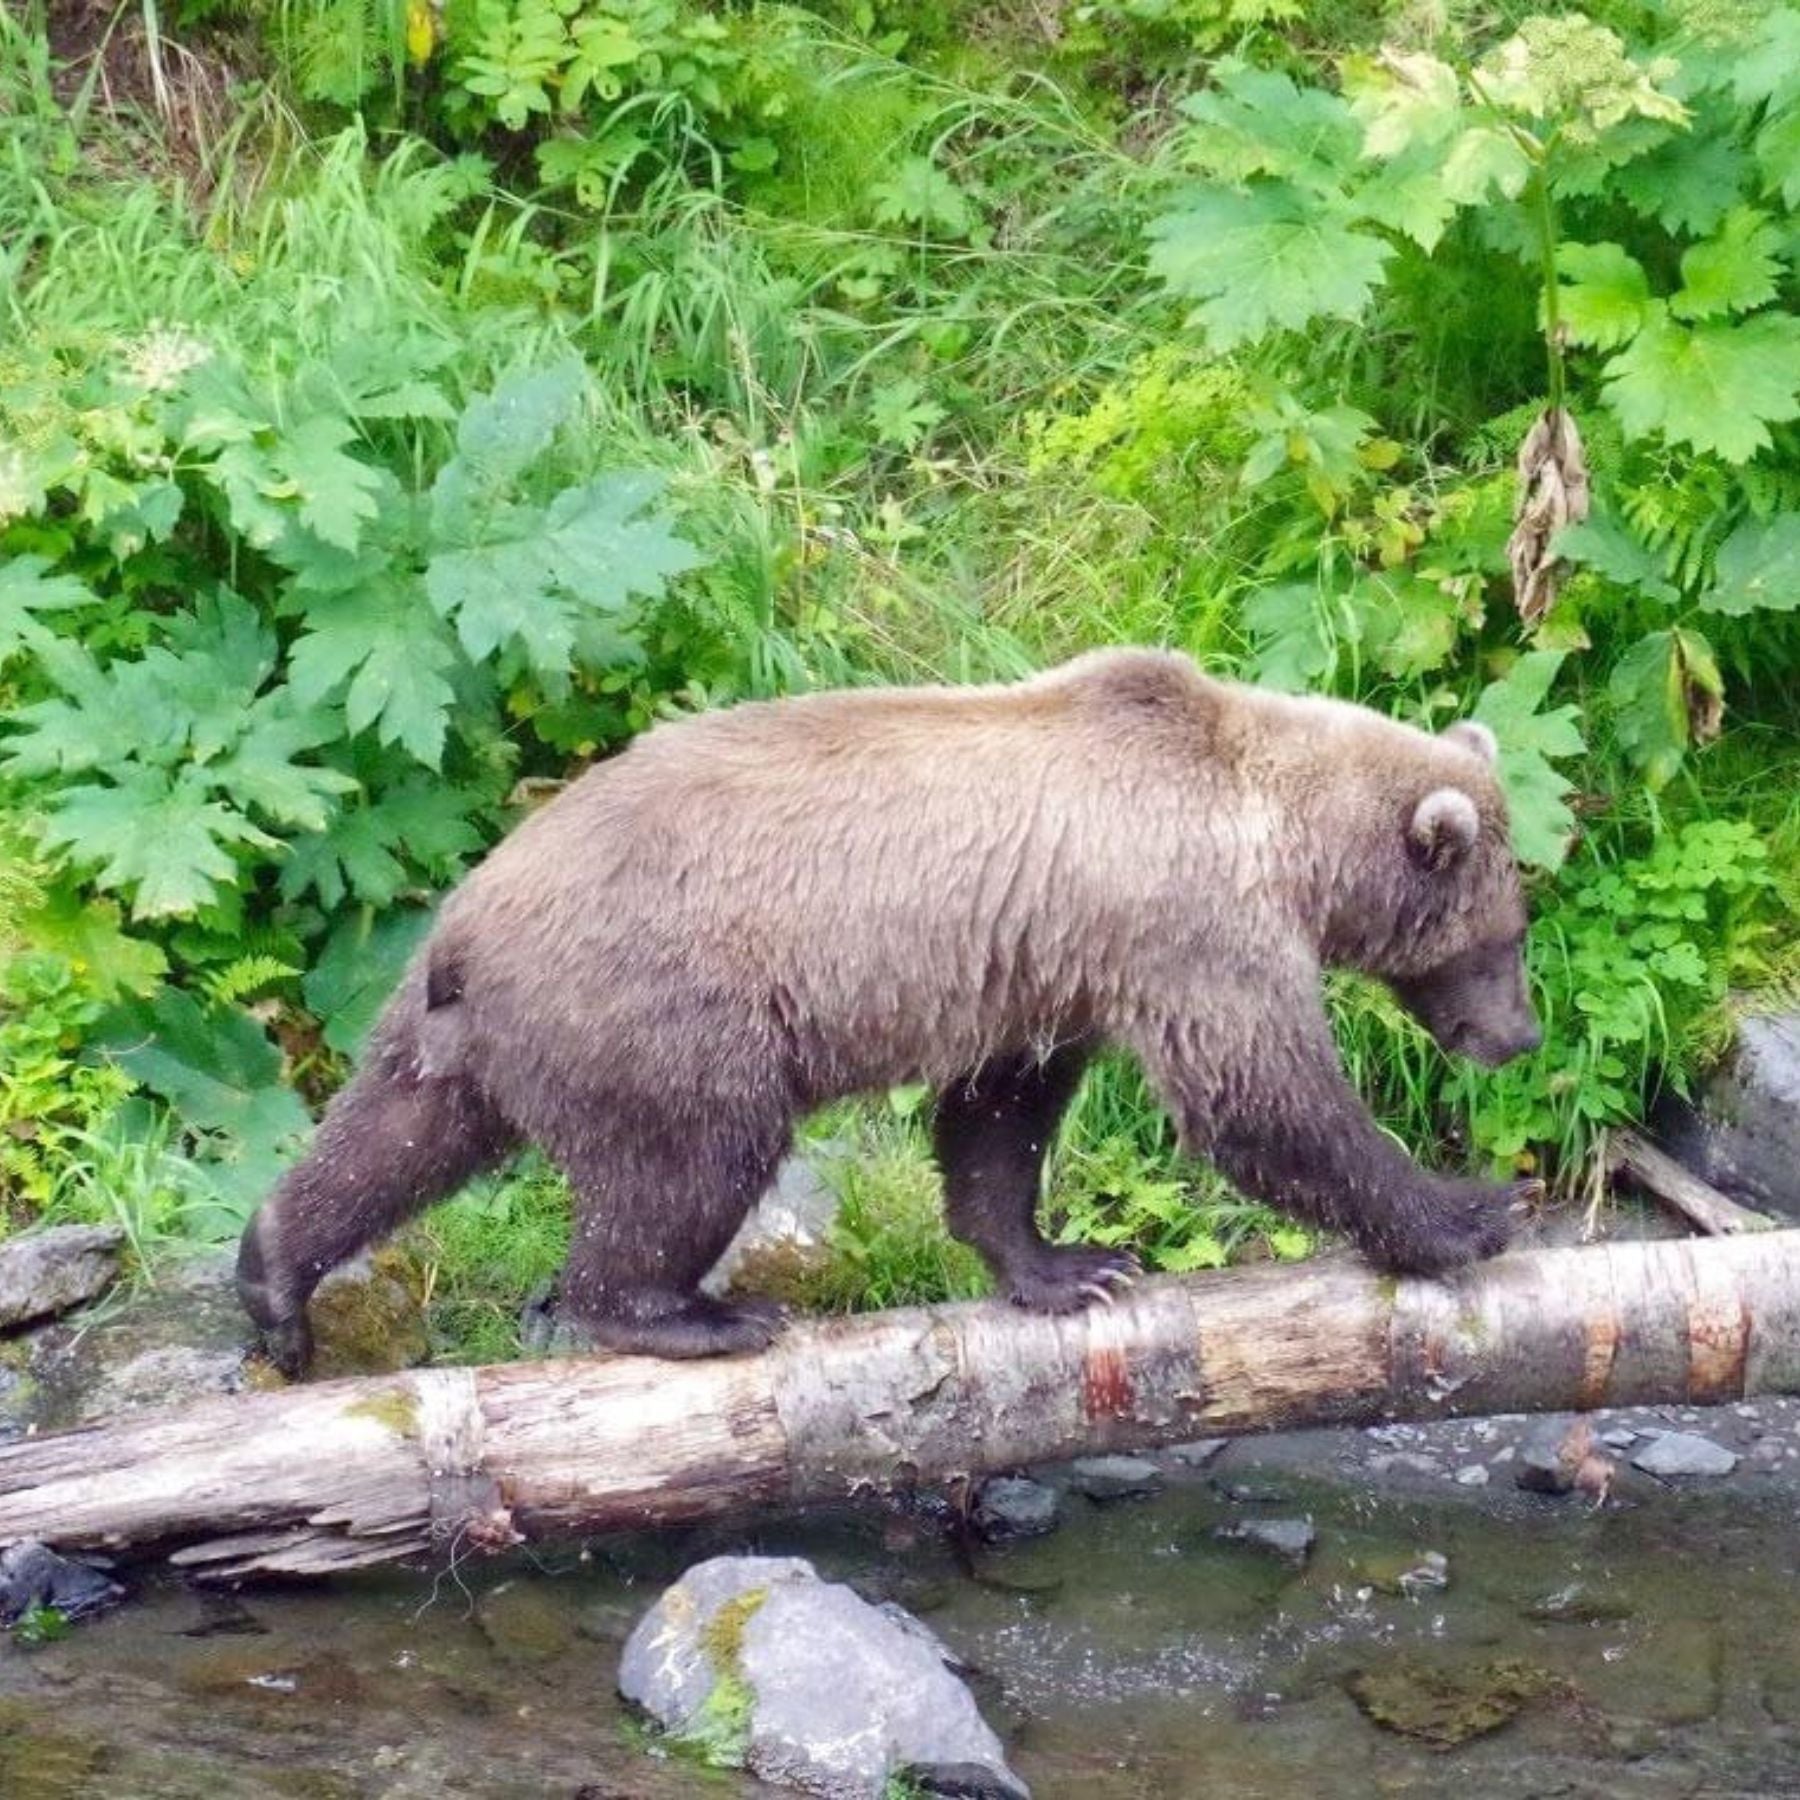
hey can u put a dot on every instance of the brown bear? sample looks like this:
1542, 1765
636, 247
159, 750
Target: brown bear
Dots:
753, 912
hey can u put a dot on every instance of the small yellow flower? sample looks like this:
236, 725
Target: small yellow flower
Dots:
421, 31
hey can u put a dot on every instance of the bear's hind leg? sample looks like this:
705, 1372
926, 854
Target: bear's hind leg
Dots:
991, 1133
391, 1142
655, 1208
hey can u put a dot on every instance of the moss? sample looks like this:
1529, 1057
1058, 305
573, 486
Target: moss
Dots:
396, 1408
722, 1638
373, 1324
1442, 1708
42, 1763
719, 1733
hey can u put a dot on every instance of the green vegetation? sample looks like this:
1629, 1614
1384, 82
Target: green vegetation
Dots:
401, 405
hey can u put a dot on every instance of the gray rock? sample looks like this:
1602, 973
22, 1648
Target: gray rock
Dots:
1114, 1477
1290, 1539
185, 1338
1544, 1467
1472, 1475
1743, 1135
1014, 1506
802, 1683
31, 1574
1406, 1462
789, 1225
1199, 1453
47, 1271
1684, 1453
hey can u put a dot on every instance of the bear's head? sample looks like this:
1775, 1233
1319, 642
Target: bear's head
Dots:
1440, 915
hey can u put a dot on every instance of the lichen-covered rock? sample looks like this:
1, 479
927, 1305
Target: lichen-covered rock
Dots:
786, 1233
185, 1337
756, 1663
47, 1271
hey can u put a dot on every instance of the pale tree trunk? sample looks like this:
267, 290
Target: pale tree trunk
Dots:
344, 1473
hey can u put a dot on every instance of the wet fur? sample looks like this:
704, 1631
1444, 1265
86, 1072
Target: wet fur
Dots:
753, 912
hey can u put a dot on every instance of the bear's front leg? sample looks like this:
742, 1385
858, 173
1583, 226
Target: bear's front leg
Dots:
1274, 1113
992, 1130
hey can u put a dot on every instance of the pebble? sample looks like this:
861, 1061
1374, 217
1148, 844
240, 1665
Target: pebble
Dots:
1619, 1438
1472, 1475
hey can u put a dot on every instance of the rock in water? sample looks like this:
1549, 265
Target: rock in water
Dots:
1684, 1453
1744, 1135
758, 1664
1114, 1477
31, 1575
1014, 1506
45, 1272
1290, 1539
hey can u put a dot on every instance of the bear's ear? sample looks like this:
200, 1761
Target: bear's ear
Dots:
1471, 734
1443, 829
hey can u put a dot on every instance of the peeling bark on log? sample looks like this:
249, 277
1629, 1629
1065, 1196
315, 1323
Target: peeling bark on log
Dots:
346, 1473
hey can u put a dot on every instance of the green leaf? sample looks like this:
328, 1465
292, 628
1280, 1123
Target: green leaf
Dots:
920, 194
216, 1068
419, 833
1406, 100
1485, 160
160, 840
1410, 626
358, 969
1769, 68
1778, 155
1758, 568
1271, 259
27, 589
1735, 271
1530, 739
1257, 122
384, 641
1665, 692
86, 934
1602, 544
260, 770
1408, 195
1688, 184
590, 550
1294, 648
499, 437
1605, 294
336, 492
1715, 385
901, 414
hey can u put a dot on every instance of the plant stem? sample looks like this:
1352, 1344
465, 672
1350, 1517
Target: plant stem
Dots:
1546, 223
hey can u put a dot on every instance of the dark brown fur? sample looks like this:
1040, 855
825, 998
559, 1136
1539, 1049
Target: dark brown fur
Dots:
751, 913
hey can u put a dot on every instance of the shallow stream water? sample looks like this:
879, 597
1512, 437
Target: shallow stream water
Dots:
1650, 1649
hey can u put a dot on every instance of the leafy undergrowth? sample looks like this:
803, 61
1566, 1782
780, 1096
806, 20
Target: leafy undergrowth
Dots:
397, 425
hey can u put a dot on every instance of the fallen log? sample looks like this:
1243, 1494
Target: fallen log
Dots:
366, 1470
1632, 1155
